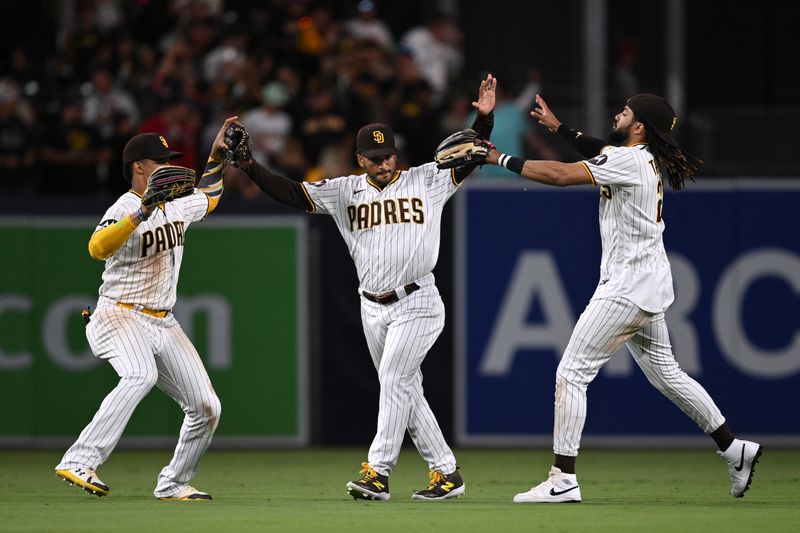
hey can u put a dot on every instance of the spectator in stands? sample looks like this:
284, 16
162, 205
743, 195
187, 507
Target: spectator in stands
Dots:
437, 53
269, 125
85, 46
223, 61
416, 122
108, 15
16, 141
323, 123
105, 102
179, 123
70, 153
456, 113
124, 129
336, 160
367, 26
176, 75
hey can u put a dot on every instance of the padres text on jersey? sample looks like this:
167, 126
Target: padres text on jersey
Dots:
389, 211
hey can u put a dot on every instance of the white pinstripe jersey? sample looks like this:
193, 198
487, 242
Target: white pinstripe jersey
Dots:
393, 234
634, 263
145, 269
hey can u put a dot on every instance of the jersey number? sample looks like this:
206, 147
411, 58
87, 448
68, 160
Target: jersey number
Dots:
660, 202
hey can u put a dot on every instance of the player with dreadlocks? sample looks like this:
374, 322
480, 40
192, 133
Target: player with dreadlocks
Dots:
654, 112
635, 287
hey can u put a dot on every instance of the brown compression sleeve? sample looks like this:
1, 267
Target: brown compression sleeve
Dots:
279, 187
587, 146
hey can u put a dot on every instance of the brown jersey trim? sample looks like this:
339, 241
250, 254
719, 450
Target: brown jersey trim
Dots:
591, 176
396, 176
310, 201
212, 204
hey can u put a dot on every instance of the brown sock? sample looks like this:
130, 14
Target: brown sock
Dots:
722, 436
565, 463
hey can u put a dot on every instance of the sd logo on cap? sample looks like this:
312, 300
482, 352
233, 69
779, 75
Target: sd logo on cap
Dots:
375, 140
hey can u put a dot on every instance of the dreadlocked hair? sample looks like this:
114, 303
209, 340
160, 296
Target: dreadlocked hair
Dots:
675, 162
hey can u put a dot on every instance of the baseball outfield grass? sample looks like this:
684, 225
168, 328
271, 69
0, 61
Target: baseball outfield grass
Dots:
304, 491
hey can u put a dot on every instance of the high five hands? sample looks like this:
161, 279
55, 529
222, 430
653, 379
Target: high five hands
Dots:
541, 112
486, 96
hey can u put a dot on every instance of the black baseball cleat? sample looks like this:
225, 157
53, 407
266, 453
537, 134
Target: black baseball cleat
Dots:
85, 478
441, 487
372, 486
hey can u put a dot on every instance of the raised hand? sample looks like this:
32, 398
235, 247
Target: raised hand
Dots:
541, 112
486, 96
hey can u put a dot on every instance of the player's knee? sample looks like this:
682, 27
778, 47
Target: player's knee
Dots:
565, 375
144, 379
575, 371
392, 381
210, 411
668, 379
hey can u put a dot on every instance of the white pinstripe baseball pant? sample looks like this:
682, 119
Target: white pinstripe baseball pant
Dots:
147, 351
601, 330
399, 336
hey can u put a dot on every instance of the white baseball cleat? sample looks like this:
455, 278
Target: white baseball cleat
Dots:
741, 456
558, 488
85, 478
187, 493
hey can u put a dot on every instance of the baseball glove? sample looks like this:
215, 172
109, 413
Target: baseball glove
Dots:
168, 183
238, 145
465, 147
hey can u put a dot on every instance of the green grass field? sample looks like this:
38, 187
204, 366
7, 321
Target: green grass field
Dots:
680, 490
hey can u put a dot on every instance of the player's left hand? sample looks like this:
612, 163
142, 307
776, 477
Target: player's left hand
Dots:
165, 184
486, 96
218, 147
465, 147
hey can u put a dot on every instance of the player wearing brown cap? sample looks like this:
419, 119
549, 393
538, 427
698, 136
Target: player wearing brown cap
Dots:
635, 287
133, 327
390, 220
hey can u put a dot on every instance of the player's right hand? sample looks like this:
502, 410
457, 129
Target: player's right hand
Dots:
218, 146
542, 113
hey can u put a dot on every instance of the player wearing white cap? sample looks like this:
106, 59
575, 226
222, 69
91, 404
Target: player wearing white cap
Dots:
635, 287
390, 220
134, 329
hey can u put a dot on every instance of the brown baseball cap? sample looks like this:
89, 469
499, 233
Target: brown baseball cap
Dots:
375, 140
656, 114
147, 146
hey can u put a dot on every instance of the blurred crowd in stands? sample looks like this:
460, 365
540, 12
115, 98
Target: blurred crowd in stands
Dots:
302, 76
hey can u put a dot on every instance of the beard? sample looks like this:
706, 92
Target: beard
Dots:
618, 135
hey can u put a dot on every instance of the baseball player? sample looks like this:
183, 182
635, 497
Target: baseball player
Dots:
391, 220
635, 287
132, 326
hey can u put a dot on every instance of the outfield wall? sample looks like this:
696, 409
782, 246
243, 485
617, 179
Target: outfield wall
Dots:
241, 299
529, 258
279, 327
